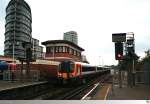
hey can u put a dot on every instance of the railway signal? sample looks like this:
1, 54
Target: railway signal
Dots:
119, 51
118, 39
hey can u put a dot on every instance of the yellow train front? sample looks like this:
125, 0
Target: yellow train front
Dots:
78, 72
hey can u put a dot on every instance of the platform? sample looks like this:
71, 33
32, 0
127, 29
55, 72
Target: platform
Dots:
138, 92
21, 90
6, 85
109, 92
102, 92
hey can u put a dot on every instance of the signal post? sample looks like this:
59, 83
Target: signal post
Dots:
119, 38
130, 52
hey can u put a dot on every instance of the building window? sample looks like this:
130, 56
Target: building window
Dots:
70, 51
51, 49
64, 49
56, 49
47, 49
78, 53
60, 48
75, 52
67, 49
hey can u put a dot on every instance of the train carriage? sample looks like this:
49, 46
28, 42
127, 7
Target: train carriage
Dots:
78, 71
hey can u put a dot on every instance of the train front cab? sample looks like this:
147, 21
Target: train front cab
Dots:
69, 72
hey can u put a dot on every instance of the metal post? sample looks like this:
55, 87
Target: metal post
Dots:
33, 48
28, 70
13, 52
14, 42
120, 79
102, 62
21, 77
113, 75
133, 73
53, 52
128, 76
14, 35
99, 60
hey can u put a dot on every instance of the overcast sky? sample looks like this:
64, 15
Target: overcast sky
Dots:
93, 20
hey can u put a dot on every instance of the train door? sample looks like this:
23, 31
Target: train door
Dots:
78, 70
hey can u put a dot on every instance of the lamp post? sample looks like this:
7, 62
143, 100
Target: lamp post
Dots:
28, 54
14, 43
14, 35
54, 53
99, 60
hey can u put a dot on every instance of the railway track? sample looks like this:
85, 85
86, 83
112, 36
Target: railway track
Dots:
83, 92
72, 92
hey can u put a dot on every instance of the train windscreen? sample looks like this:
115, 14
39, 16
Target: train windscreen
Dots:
66, 66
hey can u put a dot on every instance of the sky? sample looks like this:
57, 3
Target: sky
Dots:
93, 20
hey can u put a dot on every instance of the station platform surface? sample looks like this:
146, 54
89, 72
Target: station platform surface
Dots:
6, 85
137, 92
102, 92
109, 92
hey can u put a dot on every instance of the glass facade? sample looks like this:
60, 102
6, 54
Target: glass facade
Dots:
71, 36
37, 51
18, 27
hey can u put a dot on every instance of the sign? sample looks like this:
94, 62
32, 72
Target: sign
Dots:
119, 37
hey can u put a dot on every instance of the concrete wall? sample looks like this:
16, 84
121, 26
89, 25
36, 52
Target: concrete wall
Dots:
26, 92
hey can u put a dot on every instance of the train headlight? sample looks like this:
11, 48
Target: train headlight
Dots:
59, 74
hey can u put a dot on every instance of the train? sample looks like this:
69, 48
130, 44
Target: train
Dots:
60, 72
64, 72
70, 71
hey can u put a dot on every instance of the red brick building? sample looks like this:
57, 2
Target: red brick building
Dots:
62, 50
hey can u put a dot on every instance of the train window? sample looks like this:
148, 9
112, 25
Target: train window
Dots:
66, 66
88, 68
71, 67
62, 67
99, 68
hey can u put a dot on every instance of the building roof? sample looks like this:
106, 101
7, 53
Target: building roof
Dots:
21, 2
62, 41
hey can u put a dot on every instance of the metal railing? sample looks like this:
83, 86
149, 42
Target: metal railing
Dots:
17, 75
141, 77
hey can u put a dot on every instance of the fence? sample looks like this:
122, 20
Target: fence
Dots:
141, 77
34, 75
